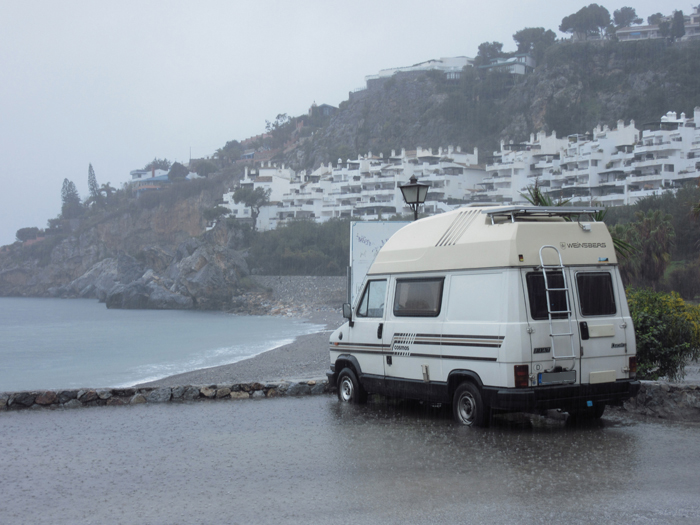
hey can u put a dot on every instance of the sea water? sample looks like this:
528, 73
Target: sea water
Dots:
74, 343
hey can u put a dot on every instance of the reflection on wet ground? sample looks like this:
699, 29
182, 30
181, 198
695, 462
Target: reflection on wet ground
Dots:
315, 460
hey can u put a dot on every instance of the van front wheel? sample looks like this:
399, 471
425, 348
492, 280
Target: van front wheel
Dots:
468, 407
349, 388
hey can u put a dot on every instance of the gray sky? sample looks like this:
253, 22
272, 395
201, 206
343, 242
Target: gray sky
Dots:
118, 83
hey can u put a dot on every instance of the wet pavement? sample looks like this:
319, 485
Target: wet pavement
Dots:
313, 460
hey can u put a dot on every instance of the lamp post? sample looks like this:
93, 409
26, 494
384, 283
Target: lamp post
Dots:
414, 194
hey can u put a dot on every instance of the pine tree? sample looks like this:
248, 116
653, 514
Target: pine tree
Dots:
92, 184
71, 207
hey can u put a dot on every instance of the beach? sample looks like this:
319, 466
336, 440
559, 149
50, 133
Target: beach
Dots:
305, 358
318, 300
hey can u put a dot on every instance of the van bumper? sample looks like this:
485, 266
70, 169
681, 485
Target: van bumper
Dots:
561, 396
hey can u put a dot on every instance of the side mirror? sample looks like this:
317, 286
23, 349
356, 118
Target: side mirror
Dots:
347, 312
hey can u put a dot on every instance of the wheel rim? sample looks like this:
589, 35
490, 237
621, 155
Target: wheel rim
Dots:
466, 408
346, 389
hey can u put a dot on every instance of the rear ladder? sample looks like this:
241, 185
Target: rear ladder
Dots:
554, 336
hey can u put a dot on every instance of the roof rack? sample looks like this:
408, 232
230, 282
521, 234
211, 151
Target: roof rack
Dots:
540, 211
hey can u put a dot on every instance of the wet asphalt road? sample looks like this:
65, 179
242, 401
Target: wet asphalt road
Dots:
312, 460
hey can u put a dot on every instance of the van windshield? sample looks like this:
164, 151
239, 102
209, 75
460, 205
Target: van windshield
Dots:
372, 303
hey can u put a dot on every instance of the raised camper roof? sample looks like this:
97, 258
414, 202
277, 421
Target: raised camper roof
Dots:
497, 237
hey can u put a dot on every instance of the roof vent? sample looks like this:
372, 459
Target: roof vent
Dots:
457, 228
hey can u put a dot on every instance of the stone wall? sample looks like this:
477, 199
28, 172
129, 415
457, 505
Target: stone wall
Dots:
679, 402
133, 396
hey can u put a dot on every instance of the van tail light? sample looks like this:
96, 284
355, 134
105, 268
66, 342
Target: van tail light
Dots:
633, 366
522, 376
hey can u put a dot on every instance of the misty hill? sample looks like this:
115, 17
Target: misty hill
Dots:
155, 250
576, 86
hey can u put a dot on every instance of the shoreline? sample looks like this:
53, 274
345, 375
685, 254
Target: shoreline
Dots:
306, 358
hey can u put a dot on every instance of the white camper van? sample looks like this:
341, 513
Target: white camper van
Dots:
492, 309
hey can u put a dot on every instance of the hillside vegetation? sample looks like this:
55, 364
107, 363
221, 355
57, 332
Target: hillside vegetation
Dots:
575, 87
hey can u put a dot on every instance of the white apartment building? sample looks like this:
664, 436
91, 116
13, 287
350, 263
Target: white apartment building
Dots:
649, 32
607, 167
451, 66
367, 188
515, 167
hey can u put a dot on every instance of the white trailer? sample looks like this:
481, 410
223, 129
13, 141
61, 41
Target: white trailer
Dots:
492, 309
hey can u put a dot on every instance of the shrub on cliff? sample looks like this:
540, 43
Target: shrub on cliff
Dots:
302, 247
667, 330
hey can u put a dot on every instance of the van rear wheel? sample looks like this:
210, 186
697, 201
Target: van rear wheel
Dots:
349, 388
468, 407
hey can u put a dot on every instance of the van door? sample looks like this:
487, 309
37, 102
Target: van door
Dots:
367, 333
601, 325
412, 336
555, 360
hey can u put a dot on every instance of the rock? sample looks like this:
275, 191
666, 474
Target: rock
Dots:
271, 392
66, 395
85, 396
159, 395
132, 296
191, 393
320, 388
73, 403
160, 298
178, 391
104, 393
22, 399
223, 392
3, 401
115, 401
123, 392
46, 398
96, 282
299, 389
240, 395
137, 399
207, 391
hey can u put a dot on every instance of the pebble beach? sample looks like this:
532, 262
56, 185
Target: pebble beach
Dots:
318, 300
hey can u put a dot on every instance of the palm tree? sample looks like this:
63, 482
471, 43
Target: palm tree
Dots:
535, 197
652, 236
623, 248
107, 190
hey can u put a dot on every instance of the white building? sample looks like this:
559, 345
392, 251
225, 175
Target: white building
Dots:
451, 66
607, 167
367, 188
520, 64
649, 32
516, 166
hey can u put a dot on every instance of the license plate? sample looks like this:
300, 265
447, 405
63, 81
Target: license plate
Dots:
556, 378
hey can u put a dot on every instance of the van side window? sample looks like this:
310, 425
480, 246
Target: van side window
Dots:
538, 295
595, 293
372, 302
418, 297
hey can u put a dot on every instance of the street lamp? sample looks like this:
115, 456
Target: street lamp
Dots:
414, 194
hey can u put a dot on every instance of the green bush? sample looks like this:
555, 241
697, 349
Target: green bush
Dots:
667, 330
685, 279
302, 247
211, 214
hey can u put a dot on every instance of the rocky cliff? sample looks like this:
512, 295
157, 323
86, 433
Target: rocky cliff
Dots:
138, 257
575, 87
